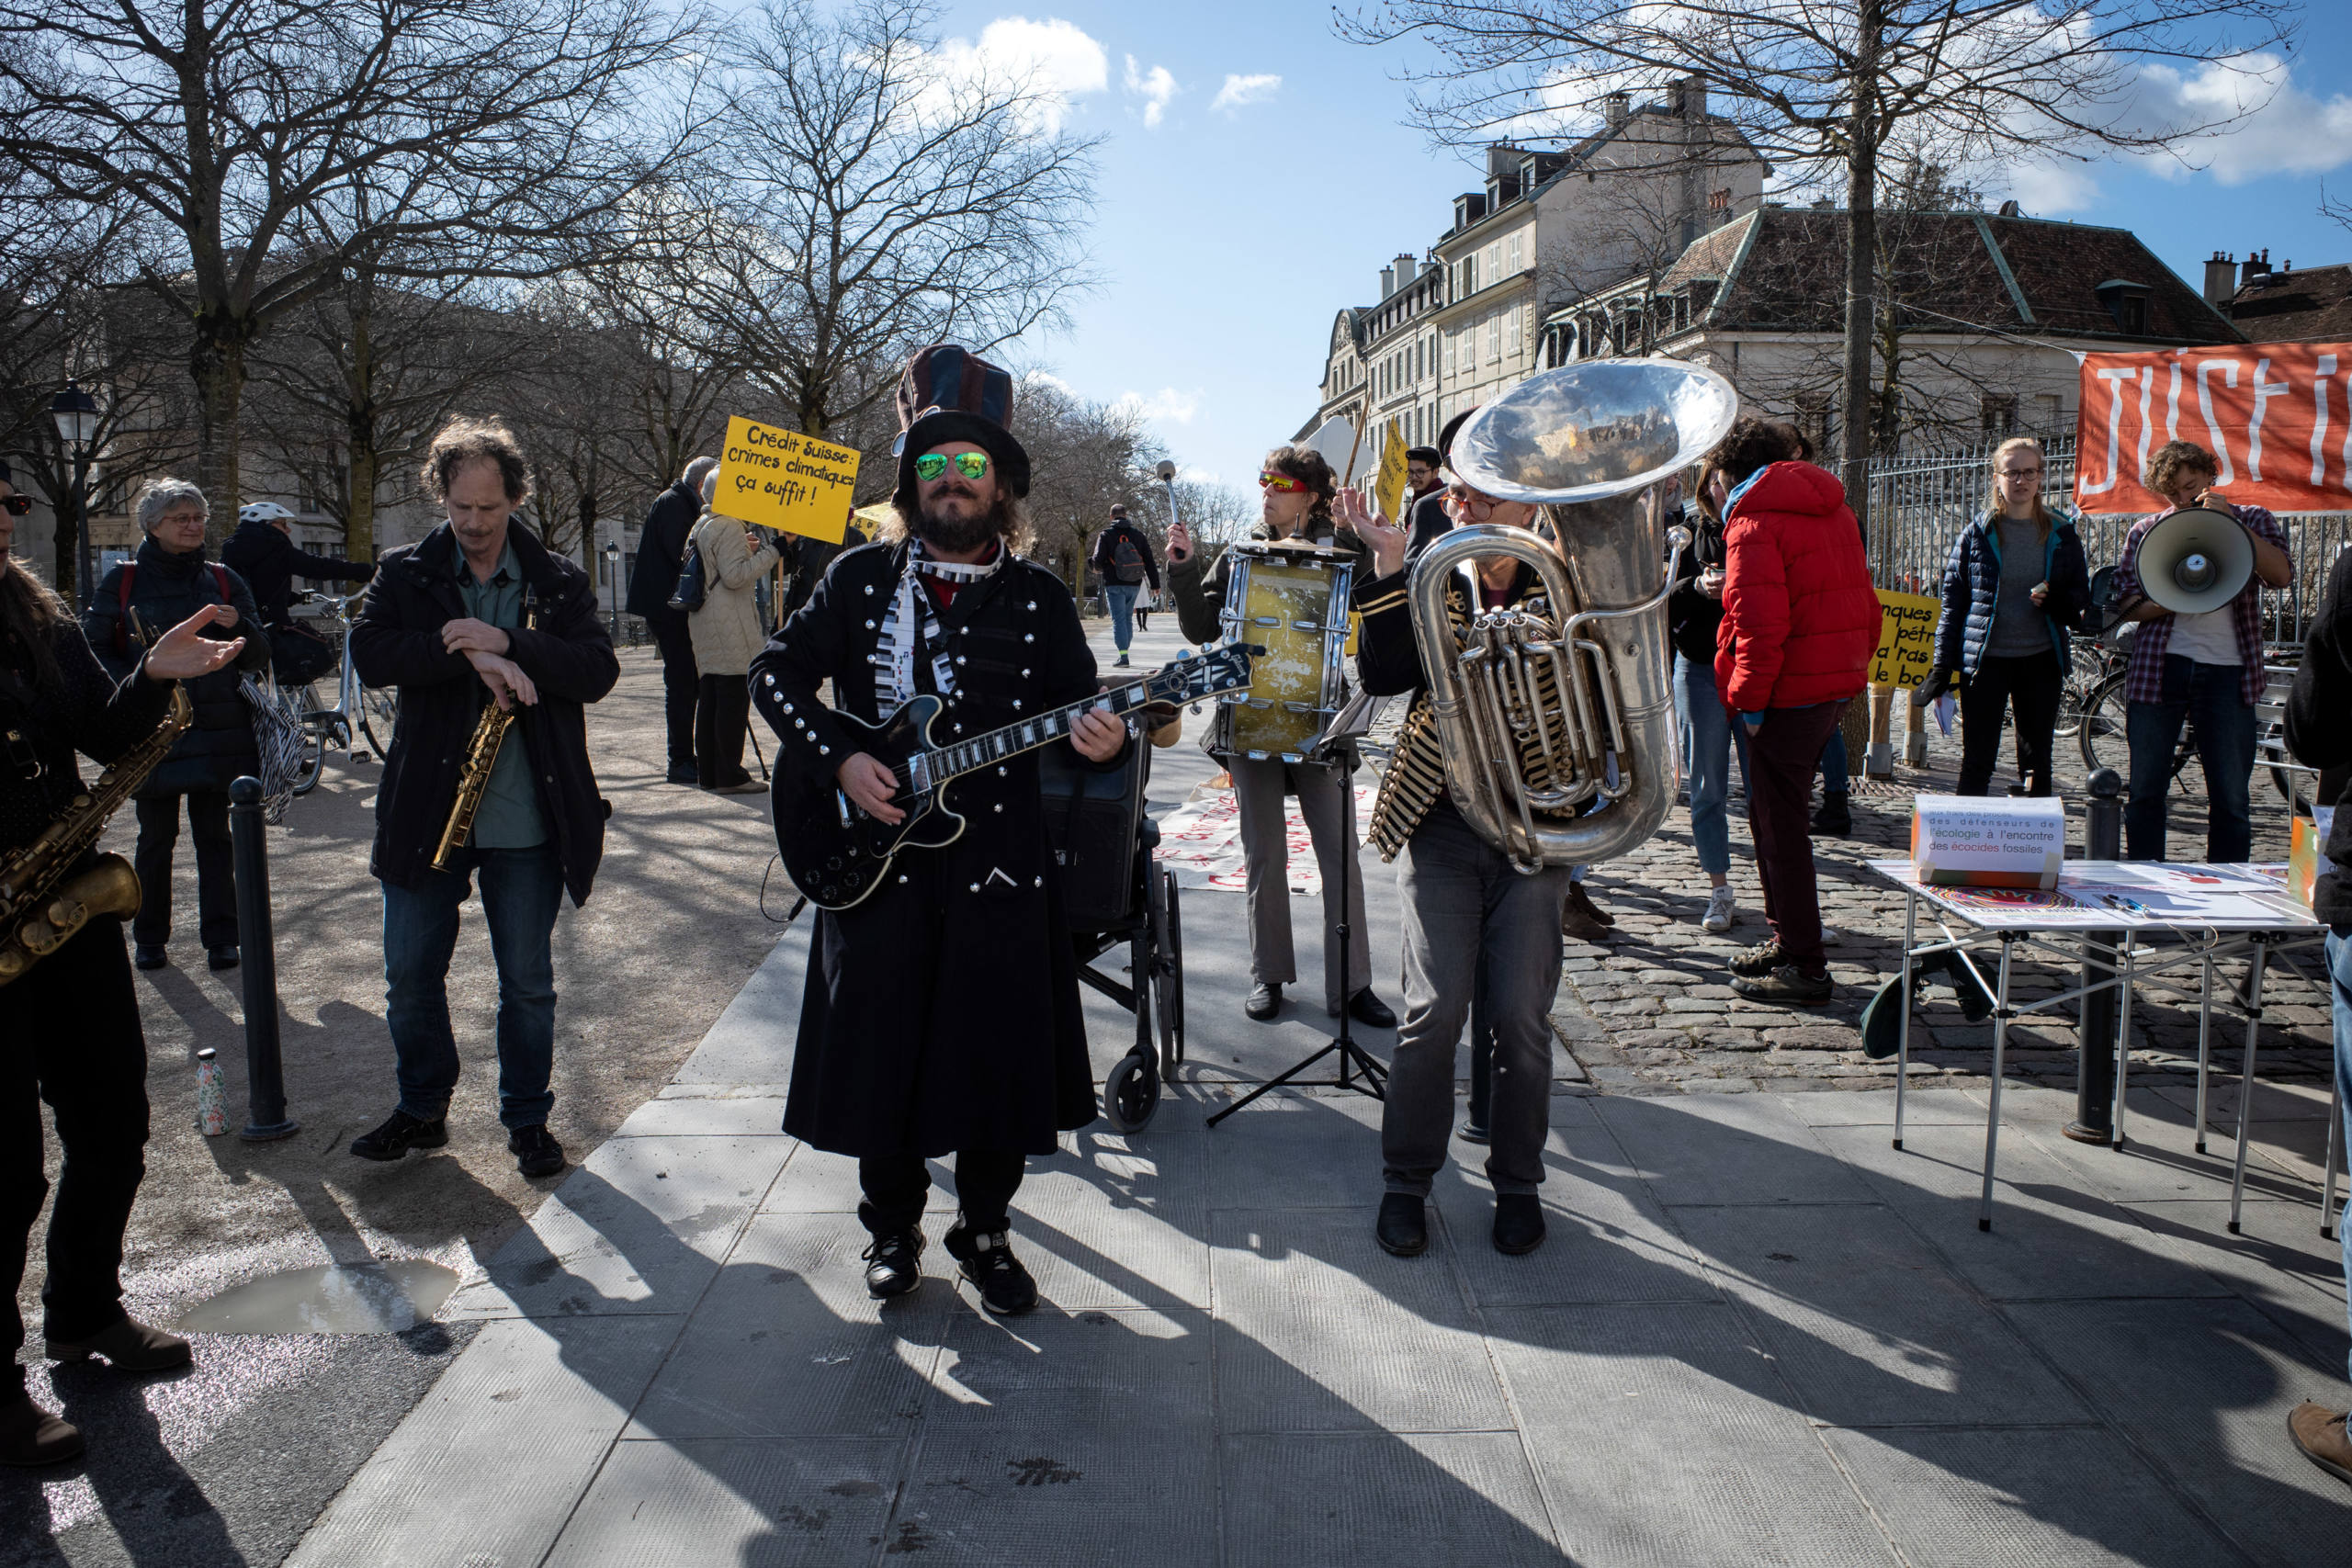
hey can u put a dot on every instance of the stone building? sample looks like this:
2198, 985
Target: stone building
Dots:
2285, 305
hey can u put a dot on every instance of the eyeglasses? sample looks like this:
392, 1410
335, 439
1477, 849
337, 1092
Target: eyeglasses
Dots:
1284, 483
15, 505
971, 465
2021, 473
1471, 502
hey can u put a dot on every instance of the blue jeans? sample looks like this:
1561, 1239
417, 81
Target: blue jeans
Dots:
521, 890
1836, 775
2208, 696
1121, 598
1707, 737
2339, 968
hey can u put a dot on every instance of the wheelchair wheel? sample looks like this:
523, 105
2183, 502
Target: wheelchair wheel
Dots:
1132, 1091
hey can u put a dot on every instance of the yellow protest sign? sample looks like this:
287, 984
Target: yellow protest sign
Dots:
1388, 490
781, 480
1906, 638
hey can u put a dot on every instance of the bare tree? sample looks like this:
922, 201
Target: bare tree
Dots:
1825, 87
489, 135
860, 197
1084, 457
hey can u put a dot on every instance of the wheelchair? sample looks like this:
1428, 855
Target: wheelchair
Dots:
1116, 894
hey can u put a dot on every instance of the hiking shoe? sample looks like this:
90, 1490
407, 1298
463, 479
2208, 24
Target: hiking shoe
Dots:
1580, 918
1583, 902
1836, 818
1762, 959
30, 1436
893, 1264
1403, 1227
986, 1257
1518, 1223
399, 1134
1721, 908
130, 1346
1786, 984
2319, 1432
535, 1150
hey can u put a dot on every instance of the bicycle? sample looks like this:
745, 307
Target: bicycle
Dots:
2101, 733
358, 708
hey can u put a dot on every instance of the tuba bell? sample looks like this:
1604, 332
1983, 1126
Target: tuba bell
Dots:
1558, 732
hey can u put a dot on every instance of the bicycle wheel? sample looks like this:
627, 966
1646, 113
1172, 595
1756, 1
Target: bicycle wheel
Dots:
300, 703
379, 711
2087, 669
2099, 734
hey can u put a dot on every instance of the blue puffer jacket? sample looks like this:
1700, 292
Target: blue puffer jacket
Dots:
1973, 584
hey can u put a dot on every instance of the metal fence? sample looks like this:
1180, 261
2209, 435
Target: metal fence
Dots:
1919, 504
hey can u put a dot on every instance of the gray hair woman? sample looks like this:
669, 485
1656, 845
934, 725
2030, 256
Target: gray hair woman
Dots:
726, 632
169, 580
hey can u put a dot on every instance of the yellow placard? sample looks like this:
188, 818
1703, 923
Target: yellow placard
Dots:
782, 479
1388, 490
1906, 638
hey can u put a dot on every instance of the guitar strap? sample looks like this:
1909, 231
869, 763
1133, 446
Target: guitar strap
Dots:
911, 624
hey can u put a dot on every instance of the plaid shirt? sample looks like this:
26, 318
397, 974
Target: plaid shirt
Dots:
2154, 638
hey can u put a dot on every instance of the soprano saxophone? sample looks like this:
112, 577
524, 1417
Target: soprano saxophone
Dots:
42, 903
473, 772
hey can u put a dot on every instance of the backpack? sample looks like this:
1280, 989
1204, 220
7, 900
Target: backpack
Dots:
1126, 561
694, 585
122, 600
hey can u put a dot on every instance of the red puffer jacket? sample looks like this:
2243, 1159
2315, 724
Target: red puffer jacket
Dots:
1801, 619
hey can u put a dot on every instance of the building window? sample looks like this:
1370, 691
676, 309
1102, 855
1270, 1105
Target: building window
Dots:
1445, 352
1514, 264
2049, 411
1494, 337
1813, 421
1998, 414
1511, 329
2131, 313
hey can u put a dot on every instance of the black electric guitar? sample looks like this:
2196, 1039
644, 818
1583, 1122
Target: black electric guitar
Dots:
837, 854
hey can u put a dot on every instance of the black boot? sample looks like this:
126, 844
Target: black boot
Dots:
1403, 1227
1836, 818
1519, 1222
30, 1436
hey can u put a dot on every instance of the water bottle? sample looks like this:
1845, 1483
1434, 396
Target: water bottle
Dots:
212, 1109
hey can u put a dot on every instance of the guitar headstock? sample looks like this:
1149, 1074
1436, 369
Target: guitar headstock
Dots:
1205, 675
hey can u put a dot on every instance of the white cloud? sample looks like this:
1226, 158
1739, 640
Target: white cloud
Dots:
1167, 405
1240, 90
1053, 61
1154, 87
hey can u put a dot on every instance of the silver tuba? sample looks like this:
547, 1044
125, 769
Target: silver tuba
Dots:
1572, 720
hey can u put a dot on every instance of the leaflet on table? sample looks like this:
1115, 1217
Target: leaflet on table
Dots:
2105, 894
1988, 841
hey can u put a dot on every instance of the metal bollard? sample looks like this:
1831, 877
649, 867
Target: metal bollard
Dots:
265, 1117
2093, 1120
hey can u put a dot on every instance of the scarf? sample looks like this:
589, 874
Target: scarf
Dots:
912, 623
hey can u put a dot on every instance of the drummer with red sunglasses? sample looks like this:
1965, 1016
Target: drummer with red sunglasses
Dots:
1296, 486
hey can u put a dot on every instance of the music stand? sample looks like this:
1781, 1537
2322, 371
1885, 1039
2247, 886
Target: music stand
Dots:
1358, 1069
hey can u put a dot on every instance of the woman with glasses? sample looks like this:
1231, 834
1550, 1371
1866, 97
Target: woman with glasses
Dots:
2015, 584
1297, 486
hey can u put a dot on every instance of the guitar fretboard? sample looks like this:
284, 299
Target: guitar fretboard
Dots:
983, 751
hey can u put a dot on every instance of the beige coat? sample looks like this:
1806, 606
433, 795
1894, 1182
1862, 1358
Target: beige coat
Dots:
725, 630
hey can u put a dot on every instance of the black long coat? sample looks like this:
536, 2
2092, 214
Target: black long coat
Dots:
942, 1012
167, 589
397, 642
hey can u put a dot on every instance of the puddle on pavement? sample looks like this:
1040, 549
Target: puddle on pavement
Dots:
367, 1297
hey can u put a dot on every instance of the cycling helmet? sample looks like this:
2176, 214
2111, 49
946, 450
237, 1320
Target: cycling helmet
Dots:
263, 512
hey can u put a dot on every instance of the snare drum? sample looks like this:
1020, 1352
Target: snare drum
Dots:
1292, 600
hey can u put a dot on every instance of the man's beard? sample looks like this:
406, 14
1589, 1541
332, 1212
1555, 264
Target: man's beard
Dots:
957, 534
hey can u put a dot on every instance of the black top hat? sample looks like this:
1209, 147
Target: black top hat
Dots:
947, 393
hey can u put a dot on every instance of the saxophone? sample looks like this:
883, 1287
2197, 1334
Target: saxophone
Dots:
41, 905
473, 771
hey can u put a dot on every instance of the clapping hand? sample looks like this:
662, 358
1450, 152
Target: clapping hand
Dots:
185, 653
1387, 541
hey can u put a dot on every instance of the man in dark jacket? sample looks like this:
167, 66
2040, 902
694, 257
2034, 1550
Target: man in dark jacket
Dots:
263, 552
2319, 735
479, 611
941, 1011
661, 552
166, 582
1123, 556
1425, 516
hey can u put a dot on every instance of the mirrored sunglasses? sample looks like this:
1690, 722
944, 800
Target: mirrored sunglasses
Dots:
15, 505
931, 465
1271, 480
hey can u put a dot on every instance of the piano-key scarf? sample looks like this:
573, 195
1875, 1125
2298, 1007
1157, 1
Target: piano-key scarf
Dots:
911, 624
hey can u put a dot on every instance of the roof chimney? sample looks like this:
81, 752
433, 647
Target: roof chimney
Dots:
2221, 278
2257, 268
1406, 270
1694, 98
1618, 108
1387, 281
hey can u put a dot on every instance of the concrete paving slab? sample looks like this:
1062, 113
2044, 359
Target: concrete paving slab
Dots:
2204, 1391
1298, 1151
486, 1469
816, 1182
1377, 1500
1866, 1322
2049, 1239
640, 1227
786, 1343
773, 1503
752, 1041
2278, 1262
2304, 1100
2159, 1158
734, 1116
1320, 1330
1922, 1106
1747, 1149
1120, 1221
2024, 1498
1615, 1399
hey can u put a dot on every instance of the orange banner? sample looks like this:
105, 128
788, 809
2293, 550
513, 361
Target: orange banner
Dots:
2276, 417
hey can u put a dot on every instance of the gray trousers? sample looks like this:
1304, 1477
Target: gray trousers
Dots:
1258, 790
1466, 909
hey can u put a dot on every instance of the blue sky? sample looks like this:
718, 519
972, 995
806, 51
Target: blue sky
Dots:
1257, 174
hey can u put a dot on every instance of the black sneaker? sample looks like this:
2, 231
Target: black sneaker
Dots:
535, 1150
893, 1265
151, 955
221, 957
1786, 984
1518, 1223
685, 773
1403, 1227
1836, 818
399, 1134
1265, 1000
1762, 959
986, 1260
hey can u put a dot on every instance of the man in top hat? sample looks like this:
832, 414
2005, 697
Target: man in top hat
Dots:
941, 1014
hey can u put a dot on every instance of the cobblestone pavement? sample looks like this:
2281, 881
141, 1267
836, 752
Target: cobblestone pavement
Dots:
1653, 1011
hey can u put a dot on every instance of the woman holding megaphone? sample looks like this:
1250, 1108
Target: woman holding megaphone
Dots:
2015, 585
2185, 575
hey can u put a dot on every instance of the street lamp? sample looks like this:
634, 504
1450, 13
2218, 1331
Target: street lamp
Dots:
613, 585
77, 413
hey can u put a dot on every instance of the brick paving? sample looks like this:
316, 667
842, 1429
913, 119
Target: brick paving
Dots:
1652, 1011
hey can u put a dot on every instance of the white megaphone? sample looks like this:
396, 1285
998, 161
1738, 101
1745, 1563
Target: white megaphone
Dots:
2195, 561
